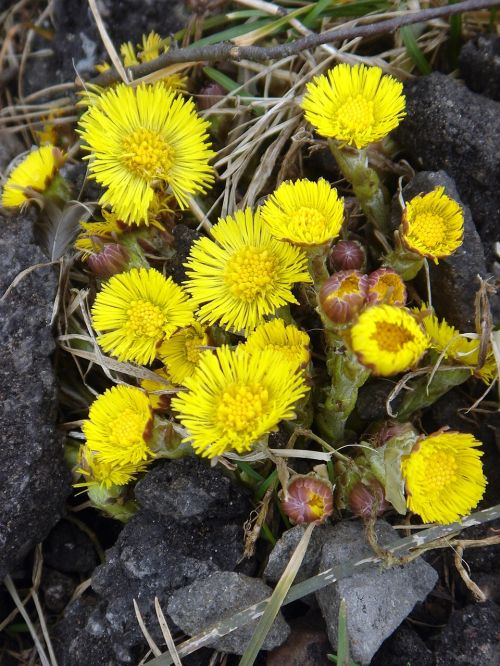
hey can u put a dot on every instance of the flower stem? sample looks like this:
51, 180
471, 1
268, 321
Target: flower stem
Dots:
368, 190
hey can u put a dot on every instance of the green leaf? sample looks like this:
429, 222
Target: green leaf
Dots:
225, 81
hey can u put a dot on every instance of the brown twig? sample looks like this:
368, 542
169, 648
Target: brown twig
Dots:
228, 51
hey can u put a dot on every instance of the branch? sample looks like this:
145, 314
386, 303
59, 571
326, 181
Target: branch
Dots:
228, 51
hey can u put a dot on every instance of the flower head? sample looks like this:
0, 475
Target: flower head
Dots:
386, 286
343, 295
234, 398
289, 341
142, 137
164, 383
150, 48
433, 225
304, 212
138, 310
308, 500
448, 341
35, 172
181, 353
355, 104
105, 474
119, 426
444, 476
243, 274
388, 339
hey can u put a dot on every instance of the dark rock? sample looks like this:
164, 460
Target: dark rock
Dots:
448, 127
488, 583
471, 638
10, 147
184, 238
218, 597
487, 558
372, 399
404, 647
285, 546
377, 599
479, 62
34, 480
189, 489
454, 279
307, 645
70, 550
57, 589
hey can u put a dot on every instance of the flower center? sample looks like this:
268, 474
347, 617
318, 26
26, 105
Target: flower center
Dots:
391, 337
308, 222
145, 319
433, 471
429, 228
193, 350
356, 112
128, 429
146, 154
250, 273
348, 286
240, 408
316, 504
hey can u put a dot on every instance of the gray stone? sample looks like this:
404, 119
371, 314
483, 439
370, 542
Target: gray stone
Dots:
449, 127
221, 595
404, 647
479, 62
190, 489
34, 480
454, 280
471, 637
377, 599
285, 546
10, 147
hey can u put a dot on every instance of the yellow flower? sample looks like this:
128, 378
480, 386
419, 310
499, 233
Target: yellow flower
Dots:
355, 104
448, 341
181, 353
158, 400
288, 341
234, 398
304, 212
35, 172
139, 309
119, 426
433, 225
444, 476
388, 340
142, 138
105, 474
93, 234
245, 274
386, 286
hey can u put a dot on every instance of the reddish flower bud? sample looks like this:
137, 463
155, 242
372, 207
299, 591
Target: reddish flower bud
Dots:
367, 499
113, 259
343, 295
308, 500
209, 95
386, 286
347, 255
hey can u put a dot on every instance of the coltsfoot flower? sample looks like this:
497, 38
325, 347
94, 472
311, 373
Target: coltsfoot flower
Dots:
343, 295
159, 400
105, 474
386, 286
244, 274
304, 212
234, 398
119, 426
141, 138
289, 341
35, 172
433, 225
136, 311
308, 500
354, 104
181, 353
387, 339
444, 476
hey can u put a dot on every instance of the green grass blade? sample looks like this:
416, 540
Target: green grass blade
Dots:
414, 51
343, 657
276, 600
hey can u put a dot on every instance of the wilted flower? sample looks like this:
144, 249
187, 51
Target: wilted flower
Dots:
355, 104
343, 295
444, 476
308, 499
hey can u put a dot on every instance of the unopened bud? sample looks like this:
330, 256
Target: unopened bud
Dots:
386, 286
367, 500
308, 500
347, 255
209, 95
113, 259
343, 295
